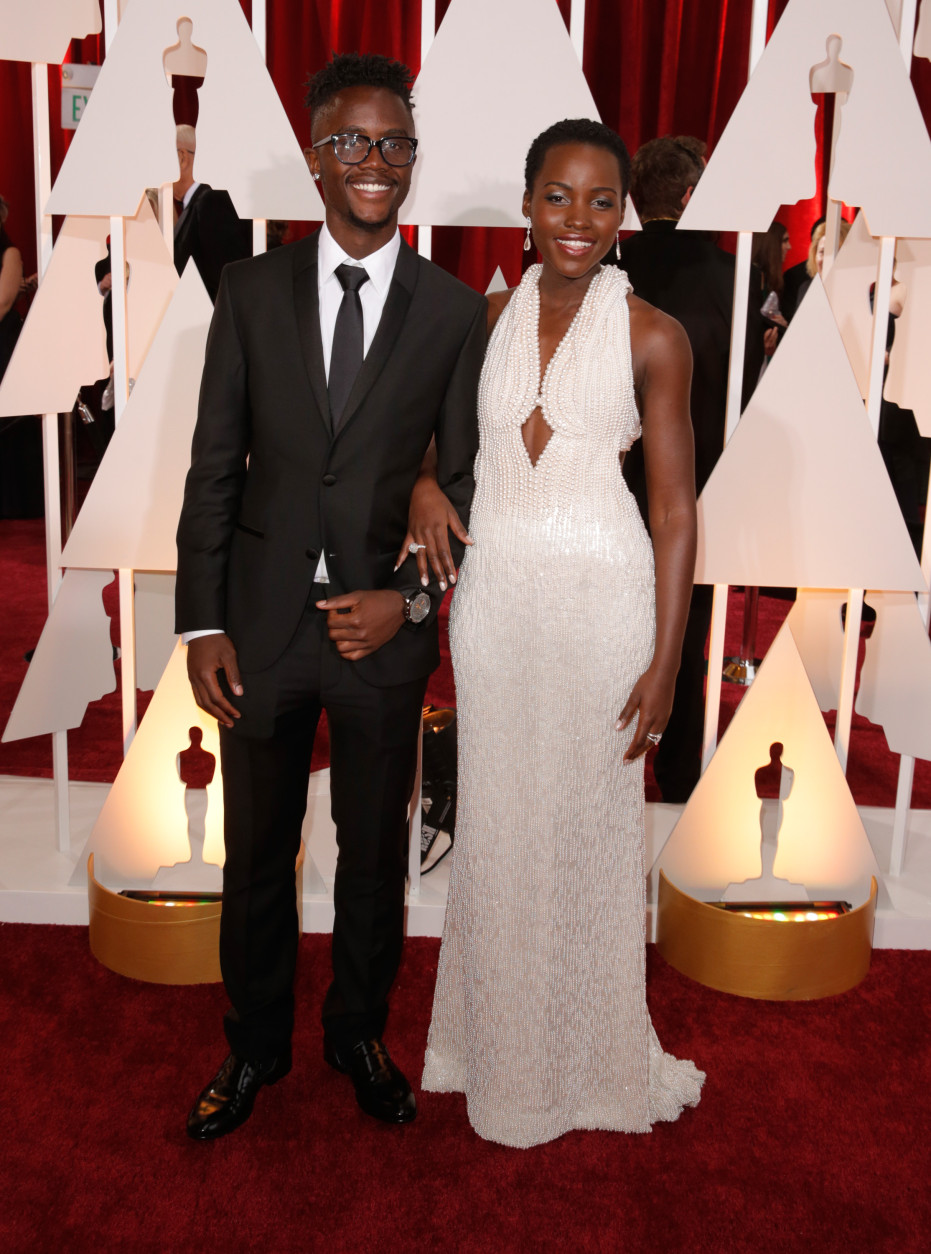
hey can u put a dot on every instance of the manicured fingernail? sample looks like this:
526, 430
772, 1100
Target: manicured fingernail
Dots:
452, 579
618, 725
397, 567
237, 688
424, 580
442, 585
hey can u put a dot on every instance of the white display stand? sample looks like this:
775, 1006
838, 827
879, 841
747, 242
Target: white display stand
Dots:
803, 475
41, 30
471, 171
251, 152
141, 478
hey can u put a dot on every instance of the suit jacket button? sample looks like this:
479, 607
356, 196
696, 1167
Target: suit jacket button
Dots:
312, 554
329, 480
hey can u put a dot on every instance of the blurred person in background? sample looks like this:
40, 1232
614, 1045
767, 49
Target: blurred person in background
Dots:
208, 230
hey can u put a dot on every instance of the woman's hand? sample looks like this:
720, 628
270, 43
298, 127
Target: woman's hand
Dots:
430, 519
650, 698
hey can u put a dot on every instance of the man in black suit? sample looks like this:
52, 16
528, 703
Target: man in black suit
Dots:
685, 274
331, 365
208, 228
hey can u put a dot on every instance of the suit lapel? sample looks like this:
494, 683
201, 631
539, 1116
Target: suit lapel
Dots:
400, 292
307, 310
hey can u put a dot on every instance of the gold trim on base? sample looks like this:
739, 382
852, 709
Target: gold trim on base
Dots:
761, 958
158, 944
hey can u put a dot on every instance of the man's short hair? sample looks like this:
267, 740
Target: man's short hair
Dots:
576, 131
186, 137
662, 172
357, 69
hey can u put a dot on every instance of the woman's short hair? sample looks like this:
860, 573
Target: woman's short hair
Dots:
576, 131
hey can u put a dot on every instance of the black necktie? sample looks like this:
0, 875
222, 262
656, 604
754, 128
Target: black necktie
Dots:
346, 358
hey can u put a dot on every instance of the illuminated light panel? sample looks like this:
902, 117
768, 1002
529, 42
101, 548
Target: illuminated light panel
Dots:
172, 899
786, 911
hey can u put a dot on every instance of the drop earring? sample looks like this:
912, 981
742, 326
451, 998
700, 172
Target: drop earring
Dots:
617, 247
527, 237
316, 176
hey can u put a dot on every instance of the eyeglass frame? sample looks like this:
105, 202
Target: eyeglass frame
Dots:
373, 143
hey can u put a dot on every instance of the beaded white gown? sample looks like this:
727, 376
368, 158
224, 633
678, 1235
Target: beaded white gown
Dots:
540, 1013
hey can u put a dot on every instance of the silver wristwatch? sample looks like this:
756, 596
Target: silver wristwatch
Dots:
417, 607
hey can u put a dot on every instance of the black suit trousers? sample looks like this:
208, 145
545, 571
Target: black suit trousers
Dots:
266, 765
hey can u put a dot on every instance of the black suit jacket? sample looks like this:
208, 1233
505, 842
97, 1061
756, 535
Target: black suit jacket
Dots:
687, 276
270, 485
210, 232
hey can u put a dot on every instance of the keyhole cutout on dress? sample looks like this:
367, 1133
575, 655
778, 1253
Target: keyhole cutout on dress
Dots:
185, 60
536, 434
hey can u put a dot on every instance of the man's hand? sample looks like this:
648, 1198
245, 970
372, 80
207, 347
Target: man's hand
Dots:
205, 656
361, 622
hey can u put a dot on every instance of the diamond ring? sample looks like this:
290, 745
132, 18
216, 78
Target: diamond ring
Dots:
415, 548
654, 737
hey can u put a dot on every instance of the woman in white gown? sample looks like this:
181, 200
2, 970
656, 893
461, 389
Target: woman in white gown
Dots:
565, 648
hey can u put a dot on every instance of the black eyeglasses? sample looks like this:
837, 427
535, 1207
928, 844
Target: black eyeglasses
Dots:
351, 148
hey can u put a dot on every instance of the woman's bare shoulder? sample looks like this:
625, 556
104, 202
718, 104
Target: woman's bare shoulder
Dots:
496, 305
650, 327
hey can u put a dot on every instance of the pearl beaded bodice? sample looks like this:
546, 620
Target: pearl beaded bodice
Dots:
586, 398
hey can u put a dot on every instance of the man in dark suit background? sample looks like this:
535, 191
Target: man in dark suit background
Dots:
331, 364
688, 276
208, 228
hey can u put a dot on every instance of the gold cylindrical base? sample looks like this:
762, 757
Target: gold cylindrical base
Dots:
158, 944
761, 958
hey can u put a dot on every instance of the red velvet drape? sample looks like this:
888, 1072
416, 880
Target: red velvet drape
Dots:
655, 67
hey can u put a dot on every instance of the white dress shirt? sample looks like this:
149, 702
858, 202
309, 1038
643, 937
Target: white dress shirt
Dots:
380, 268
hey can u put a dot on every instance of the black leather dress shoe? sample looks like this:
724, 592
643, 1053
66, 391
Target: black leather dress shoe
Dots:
381, 1089
228, 1099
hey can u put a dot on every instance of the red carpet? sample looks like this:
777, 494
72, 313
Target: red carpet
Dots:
812, 1132
94, 749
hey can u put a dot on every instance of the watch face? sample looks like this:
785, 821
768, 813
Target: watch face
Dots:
420, 607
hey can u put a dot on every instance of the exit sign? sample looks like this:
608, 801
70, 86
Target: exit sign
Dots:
76, 84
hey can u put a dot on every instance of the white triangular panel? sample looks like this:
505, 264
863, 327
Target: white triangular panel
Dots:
498, 283
41, 30
155, 626
890, 179
923, 33
848, 286
470, 169
129, 518
822, 842
73, 661
244, 139
143, 824
908, 382
895, 682
815, 620
152, 281
800, 497
63, 343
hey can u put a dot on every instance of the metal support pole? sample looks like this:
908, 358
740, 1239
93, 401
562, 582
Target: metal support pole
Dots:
51, 461
734, 393
855, 595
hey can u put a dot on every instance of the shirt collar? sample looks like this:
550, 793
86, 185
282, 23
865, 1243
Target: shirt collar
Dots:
378, 265
188, 194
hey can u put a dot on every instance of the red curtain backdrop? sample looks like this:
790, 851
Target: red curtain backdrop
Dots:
655, 67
